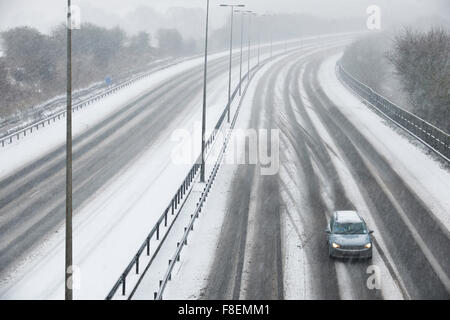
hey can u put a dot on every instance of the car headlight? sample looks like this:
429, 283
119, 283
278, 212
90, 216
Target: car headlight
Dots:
368, 245
335, 245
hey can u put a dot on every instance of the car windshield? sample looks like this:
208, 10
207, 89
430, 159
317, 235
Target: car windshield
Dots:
349, 228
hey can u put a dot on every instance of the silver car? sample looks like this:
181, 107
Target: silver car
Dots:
348, 236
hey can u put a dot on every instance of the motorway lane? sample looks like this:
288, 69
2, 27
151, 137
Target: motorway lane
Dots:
227, 271
264, 276
255, 204
317, 151
417, 242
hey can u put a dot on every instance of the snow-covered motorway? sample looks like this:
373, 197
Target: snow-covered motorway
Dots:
262, 236
123, 178
32, 198
266, 234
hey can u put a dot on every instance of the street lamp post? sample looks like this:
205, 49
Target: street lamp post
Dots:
271, 43
259, 45
271, 35
232, 6
202, 170
68, 240
250, 14
242, 44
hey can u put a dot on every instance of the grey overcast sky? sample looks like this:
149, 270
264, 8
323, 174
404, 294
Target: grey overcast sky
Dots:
44, 14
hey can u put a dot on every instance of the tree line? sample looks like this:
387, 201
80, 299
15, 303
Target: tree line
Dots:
411, 67
33, 65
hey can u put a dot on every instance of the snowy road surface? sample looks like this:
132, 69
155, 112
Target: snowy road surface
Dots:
335, 154
123, 179
261, 237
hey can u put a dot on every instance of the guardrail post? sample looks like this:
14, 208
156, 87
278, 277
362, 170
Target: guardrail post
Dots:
410, 122
148, 246
165, 219
157, 231
137, 264
123, 285
178, 257
170, 274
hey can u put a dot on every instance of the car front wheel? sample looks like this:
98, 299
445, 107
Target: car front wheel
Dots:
330, 254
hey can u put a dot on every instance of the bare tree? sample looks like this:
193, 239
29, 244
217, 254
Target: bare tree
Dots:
365, 59
422, 63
